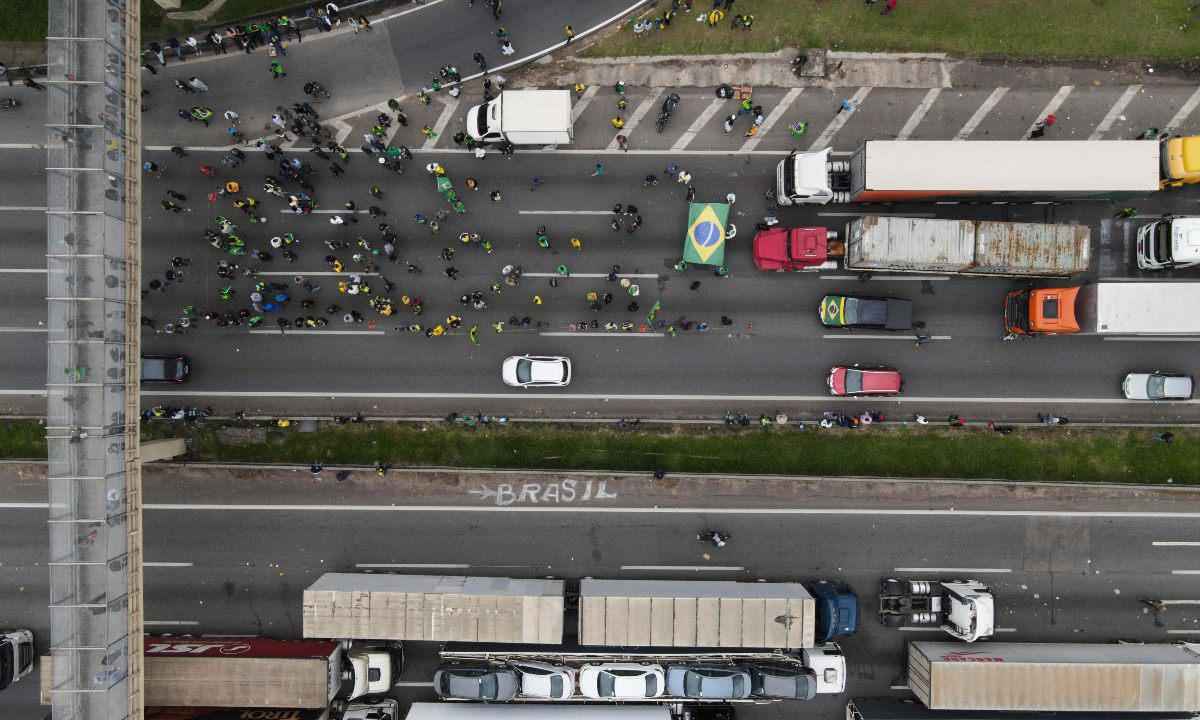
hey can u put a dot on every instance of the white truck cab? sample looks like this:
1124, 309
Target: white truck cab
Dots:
16, 656
373, 671
829, 665
803, 178
964, 609
1170, 242
380, 709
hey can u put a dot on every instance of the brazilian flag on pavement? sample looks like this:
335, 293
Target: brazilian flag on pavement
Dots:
705, 240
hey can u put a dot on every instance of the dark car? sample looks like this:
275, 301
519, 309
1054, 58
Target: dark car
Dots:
165, 368
783, 683
867, 312
463, 682
708, 682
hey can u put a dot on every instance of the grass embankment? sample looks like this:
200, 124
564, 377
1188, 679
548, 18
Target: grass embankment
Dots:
1066, 455
27, 20
1062, 29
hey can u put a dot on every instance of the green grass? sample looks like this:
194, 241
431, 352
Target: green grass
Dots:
1130, 456
27, 20
24, 20
22, 440
1055, 29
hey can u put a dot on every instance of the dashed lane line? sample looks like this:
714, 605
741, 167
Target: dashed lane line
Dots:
592, 276
564, 212
697, 125
839, 120
1051, 107
1115, 111
1184, 112
22, 208
289, 331
774, 117
919, 114
907, 338
24, 271
890, 278
613, 334
981, 113
526, 151
636, 117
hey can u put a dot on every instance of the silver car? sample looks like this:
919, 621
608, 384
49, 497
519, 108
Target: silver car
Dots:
464, 682
1157, 386
710, 682
546, 681
782, 683
536, 371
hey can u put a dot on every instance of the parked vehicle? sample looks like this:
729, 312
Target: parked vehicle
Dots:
717, 682
837, 611
16, 656
622, 681
782, 683
1104, 308
856, 380
781, 249
962, 608
1157, 386
482, 683
534, 711
524, 117
892, 708
545, 681
1170, 243
536, 371
165, 368
866, 312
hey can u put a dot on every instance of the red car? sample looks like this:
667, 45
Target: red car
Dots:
780, 248
854, 380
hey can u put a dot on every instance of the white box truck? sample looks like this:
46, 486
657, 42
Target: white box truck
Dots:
1169, 243
1076, 677
523, 117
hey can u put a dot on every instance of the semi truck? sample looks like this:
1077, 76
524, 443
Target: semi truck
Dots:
886, 243
523, 117
16, 656
910, 170
963, 608
907, 709
1104, 308
1169, 243
380, 709
1076, 677
479, 711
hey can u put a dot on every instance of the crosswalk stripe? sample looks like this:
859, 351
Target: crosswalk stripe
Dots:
839, 120
981, 113
1184, 112
779, 111
637, 116
442, 121
915, 119
1115, 111
697, 125
1051, 108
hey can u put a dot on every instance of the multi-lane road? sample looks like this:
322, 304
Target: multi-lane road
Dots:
230, 550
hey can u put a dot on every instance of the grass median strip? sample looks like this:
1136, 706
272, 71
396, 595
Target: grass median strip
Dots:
1063, 29
1050, 455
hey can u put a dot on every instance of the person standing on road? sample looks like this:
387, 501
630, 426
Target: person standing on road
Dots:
481, 61
277, 70
569, 32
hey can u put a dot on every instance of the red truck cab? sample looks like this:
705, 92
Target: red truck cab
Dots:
793, 249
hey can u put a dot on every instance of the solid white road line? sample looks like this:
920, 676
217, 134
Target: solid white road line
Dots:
1051, 107
981, 113
898, 687
21, 146
891, 278
908, 338
1184, 632
320, 273
773, 117
343, 130
413, 566
22, 208
612, 334
597, 276
289, 331
1115, 111
23, 330
327, 395
1175, 543
1179, 602
171, 622
27, 271
564, 212
969, 571
1151, 339
584, 101
413, 683
919, 114
167, 564
443, 120
697, 125
826, 136
1184, 111
636, 117
688, 568
1185, 572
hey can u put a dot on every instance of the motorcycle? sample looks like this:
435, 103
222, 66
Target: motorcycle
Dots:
10, 104
668, 109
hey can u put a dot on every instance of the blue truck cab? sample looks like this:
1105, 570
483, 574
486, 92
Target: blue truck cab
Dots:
837, 611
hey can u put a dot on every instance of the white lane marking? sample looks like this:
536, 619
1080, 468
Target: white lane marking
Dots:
21, 146
440, 126
774, 116
891, 278
343, 211
920, 629
909, 338
858, 214
979, 571
1185, 572
343, 130
438, 566
413, 683
1005, 630
1051, 107
402, 13
1175, 543
564, 212
612, 334
531, 151
1113, 112
898, 687
981, 113
632, 276
584, 101
30, 271
289, 331
171, 622
636, 117
22, 208
1184, 632
23, 330
919, 114
329, 395
319, 273
167, 564
840, 119
697, 125
1151, 339
1179, 602
688, 568
1184, 111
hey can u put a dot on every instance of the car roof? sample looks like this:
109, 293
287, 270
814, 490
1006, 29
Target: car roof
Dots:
546, 370
879, 380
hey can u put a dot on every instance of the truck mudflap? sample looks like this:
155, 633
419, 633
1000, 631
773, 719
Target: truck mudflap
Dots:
1016, 314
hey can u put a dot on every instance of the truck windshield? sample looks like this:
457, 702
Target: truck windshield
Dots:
6, 664
1160, 243
481, 126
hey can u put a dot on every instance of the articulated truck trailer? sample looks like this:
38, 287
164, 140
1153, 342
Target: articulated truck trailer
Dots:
1076, 677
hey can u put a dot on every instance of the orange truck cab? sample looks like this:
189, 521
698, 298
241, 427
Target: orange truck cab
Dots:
1041, 311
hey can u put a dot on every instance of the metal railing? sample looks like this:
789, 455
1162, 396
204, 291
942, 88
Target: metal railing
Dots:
93, 196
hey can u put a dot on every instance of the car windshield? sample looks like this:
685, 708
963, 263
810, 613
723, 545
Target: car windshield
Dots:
556, 686
1156, 387
851, 312
606, 684
854, 380
488, 687
524, 371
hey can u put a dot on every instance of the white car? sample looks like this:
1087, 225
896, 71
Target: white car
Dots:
622, 681
543, 680
1157, 386
536, 371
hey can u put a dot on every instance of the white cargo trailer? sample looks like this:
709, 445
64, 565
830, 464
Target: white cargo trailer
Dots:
1100, 677
525, 711
695, 614
444, 608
